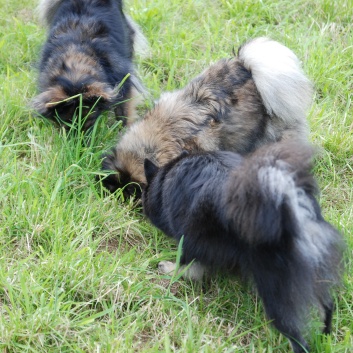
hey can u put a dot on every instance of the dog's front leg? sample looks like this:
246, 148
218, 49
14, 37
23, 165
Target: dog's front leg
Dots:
194, 272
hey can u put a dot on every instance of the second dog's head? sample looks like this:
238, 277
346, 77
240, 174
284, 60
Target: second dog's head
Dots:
120, 177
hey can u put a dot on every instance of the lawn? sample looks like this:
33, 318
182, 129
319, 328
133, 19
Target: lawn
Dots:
78, 270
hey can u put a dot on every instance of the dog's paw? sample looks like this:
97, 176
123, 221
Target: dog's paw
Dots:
195, 272
166, 267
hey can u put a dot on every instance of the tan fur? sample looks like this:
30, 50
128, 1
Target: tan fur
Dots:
80, 65
53, 96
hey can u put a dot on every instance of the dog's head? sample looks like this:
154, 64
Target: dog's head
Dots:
122, 167
73, 86
66, 102
147, 138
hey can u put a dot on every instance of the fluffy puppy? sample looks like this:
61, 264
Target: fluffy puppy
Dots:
237, 104
88, 55
255, 215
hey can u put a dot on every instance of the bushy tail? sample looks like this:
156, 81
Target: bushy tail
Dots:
282, 85
294, 254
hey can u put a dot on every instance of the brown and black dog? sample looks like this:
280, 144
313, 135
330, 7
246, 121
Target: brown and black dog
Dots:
86, 65
237, 104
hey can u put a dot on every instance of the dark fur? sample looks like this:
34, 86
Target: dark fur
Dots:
88, 52
237, 104
258, 215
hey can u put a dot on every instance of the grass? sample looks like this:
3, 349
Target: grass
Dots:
78, 271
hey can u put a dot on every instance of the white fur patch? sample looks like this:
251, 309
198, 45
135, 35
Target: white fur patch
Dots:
285, 90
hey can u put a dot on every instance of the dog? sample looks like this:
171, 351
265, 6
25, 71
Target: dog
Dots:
86, 64
237, 104
255, 215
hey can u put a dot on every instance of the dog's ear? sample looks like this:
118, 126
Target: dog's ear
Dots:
150, 169
44, 102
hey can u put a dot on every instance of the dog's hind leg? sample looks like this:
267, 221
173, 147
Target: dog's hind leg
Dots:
280, 314
286, 292
299, 346
296, 339
328, 311
325, 302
